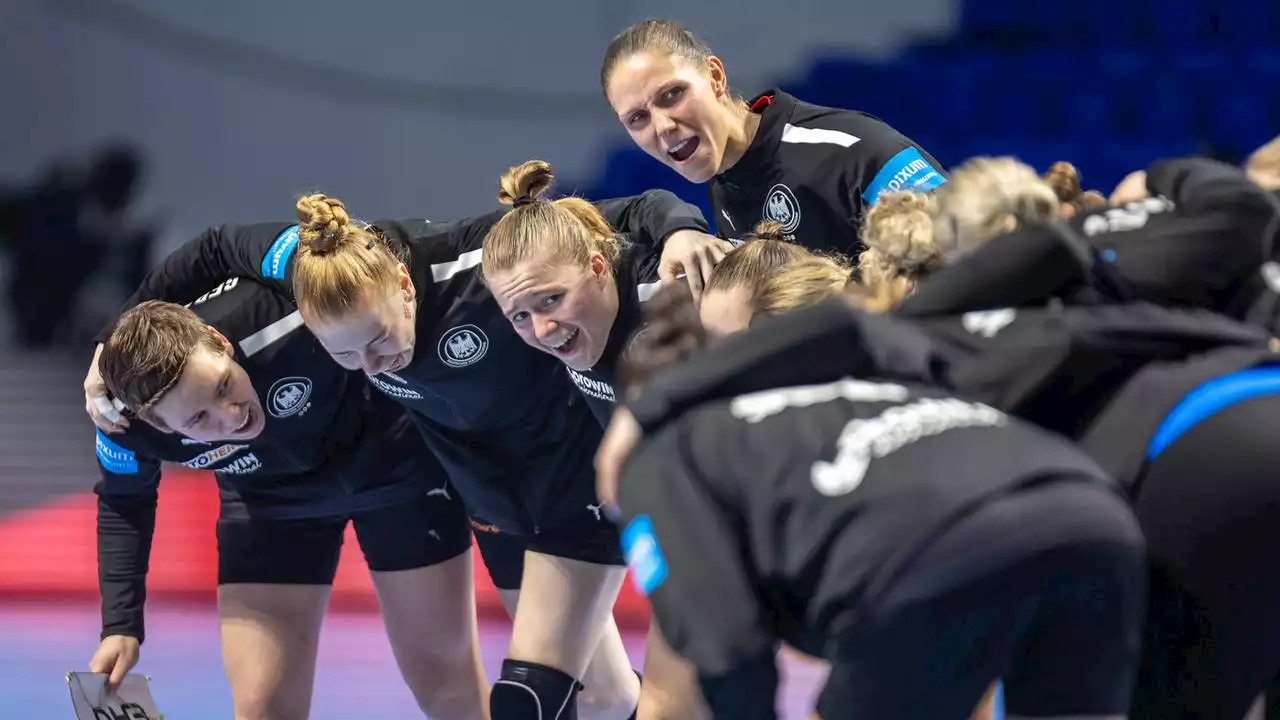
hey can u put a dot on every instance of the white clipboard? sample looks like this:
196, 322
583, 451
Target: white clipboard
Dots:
131, 701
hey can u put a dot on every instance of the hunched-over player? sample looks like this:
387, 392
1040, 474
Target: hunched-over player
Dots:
574, 288
299, 447
505, 420
866, 522
1156, 396
1201, 235
731, 291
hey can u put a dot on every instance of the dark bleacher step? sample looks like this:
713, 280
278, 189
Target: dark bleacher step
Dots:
46, 441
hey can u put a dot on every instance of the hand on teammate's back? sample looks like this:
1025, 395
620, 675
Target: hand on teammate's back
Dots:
103, 411
116, 656
694, 254
1131, 189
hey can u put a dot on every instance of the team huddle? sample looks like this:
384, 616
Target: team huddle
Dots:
943, 431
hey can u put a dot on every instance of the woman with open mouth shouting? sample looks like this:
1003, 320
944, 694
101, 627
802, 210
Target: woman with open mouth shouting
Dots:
815, 170
574, 288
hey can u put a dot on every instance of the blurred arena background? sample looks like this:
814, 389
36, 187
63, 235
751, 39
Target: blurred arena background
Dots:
130, 125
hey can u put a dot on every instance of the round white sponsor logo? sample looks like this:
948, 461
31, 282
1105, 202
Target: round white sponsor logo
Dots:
462, 346
288, 396
781, 206
637, 341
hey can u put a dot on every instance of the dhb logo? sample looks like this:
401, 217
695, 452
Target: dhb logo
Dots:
637, 343
781, 206
462, 346
288, 396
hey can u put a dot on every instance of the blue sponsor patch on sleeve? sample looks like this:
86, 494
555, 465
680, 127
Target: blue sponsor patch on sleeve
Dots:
276, 261
644, 556
908, 170
114, 458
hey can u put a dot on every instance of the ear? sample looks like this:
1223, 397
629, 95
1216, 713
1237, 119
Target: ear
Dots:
222, 340
599, 265
406, 282
719, 78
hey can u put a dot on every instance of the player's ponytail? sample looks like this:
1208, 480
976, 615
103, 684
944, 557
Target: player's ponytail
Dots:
339, 262
525, 182
750, 265
766, 230
567, 230
323, 223
900, 248
1064, 179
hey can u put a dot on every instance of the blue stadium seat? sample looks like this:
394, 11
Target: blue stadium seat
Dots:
1249, 22
1266, 61
1113, 23
1183, 24
1240, 124
1117, 159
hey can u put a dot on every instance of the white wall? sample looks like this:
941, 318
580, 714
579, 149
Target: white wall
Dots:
466, 89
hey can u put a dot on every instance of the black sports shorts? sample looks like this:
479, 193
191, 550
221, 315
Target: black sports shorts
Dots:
425, 530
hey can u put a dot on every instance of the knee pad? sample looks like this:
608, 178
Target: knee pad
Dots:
640, 677
529, 691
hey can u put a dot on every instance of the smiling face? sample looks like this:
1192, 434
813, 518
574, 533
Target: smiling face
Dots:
213, 400
179, 374
676, 109
376, 334
562, 309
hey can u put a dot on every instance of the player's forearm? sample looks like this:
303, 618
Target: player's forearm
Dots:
124, 549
